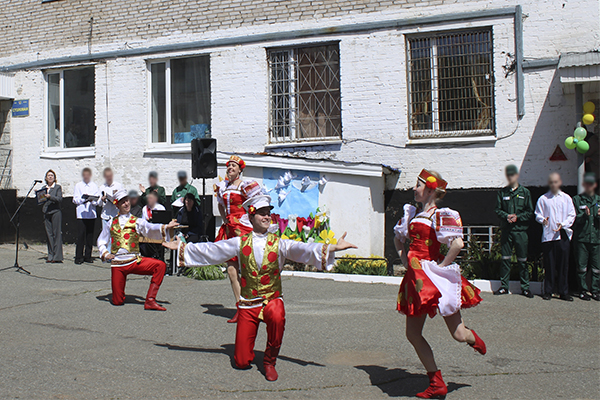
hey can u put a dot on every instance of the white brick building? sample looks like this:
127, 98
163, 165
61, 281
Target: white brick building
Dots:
371, 99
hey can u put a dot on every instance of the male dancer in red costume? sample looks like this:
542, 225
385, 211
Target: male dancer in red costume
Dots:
261, 257
119, 243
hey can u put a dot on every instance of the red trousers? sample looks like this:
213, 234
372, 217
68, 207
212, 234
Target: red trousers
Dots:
247, 327
147, 266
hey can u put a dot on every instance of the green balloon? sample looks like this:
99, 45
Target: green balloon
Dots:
580, 133
569, 143
583, 146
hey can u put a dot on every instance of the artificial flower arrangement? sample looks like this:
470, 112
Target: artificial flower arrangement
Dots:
314, 228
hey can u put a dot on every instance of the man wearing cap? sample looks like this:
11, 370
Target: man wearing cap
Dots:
515, 210
153, 182
586, 237
119, 243
181, 190
261, 256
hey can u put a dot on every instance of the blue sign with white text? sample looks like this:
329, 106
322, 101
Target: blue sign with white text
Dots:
20, 108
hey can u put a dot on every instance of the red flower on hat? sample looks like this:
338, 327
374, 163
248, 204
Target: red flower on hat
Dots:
431, 182
243, 283
251, 210
265, 280
272, 256
116, 202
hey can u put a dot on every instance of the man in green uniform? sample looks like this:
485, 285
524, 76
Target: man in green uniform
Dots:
586, 237
515, 210
183, 189
160, 191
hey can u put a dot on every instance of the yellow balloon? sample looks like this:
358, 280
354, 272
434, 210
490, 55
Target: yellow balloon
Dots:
588, 119
589, 108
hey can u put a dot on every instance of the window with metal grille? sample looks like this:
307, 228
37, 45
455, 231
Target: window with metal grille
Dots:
451, 84
305, 94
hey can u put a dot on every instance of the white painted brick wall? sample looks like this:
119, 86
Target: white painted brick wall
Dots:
374, 102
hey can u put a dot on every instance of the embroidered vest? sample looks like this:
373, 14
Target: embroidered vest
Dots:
125, 238
260, 280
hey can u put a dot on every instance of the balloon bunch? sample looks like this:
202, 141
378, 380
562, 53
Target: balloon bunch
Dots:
577, 141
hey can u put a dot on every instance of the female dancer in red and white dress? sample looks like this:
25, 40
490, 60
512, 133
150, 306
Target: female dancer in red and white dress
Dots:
433, 282
231, 194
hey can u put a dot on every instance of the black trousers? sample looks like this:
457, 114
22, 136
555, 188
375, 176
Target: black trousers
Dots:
85, 239
556, 265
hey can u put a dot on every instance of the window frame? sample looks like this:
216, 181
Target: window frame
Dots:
293, 139
46, 111
168, 143
435, 135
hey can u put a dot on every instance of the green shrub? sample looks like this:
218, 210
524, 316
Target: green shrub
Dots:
209, 273
480, 263
351, 265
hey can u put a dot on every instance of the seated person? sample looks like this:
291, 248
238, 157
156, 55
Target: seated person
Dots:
190, 215
134, 200
153, 250
152, 204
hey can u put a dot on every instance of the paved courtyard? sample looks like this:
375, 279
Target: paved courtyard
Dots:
62, 339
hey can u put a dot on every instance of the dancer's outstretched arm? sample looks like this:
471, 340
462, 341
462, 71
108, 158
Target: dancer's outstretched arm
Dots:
206, 253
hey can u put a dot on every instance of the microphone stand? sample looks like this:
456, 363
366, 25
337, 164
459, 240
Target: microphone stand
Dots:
17, 215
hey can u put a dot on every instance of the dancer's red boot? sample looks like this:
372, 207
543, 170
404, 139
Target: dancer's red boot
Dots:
151, 303
271, 373
479, 344
437, 388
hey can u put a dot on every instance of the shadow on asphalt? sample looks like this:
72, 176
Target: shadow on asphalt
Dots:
219, 310
398, 382
129, 299
229, 349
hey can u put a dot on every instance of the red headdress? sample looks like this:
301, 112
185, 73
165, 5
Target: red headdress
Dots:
236, 160
432, 182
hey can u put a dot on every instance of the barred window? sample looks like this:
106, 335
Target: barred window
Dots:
451, 84
305, 94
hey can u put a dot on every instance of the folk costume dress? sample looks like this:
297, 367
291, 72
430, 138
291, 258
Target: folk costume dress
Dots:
122, 238
261, 259
427, 287
231, 197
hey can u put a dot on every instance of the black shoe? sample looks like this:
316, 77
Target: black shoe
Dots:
527, 293
584, 296
89, 260
596, 296
566, 297
78, 262
501, 291
546, 296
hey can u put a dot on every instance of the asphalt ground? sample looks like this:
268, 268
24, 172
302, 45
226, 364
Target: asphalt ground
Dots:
62, 339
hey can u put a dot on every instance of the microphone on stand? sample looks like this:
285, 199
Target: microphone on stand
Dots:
38, 181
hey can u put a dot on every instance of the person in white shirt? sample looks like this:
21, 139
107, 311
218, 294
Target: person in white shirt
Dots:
555, 211
86, 197
153, 250
152, 204
119, 244
108, 191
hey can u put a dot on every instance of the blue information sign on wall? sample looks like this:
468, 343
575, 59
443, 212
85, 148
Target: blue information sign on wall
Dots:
20, 108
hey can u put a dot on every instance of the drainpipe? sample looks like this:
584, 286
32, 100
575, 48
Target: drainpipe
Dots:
579, 115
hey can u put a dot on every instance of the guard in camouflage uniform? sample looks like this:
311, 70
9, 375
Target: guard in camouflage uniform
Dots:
515, 210
586, 237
